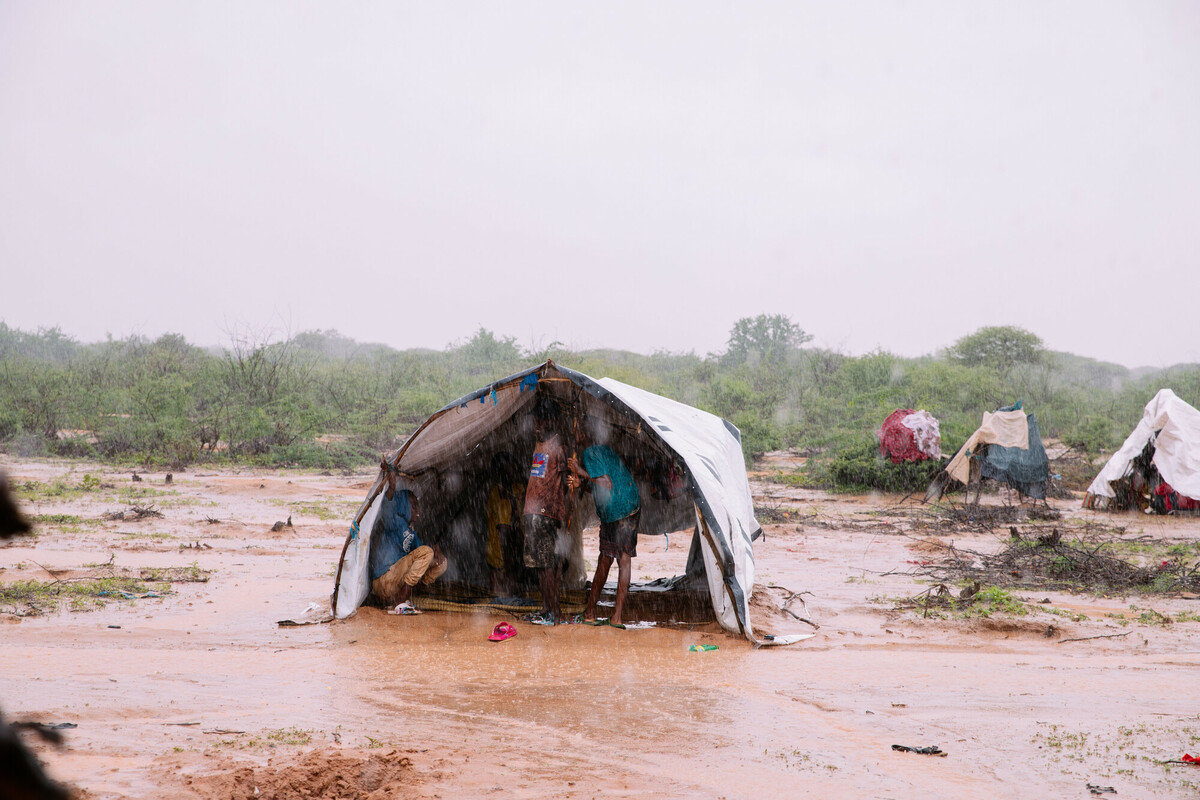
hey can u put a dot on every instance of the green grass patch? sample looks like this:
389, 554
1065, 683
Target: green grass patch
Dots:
134, 495
860, 468
994, 600
1074, 616
58, 489
278, 737
56, 519
973, 602
34, 598
293, 737
319, 510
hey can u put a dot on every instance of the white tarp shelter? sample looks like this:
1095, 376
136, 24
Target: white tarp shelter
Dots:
1174, 428
716, 503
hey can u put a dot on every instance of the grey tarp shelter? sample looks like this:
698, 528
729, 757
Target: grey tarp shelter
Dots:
714, 501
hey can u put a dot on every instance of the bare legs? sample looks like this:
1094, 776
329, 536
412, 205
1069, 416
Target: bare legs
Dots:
548, 583
624, 570
589, 613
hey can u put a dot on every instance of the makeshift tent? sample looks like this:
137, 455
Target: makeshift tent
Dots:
701, 484
1007, 448
1160, 458
908, 435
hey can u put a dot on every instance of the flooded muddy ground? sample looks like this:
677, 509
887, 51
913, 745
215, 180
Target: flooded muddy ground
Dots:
198, 693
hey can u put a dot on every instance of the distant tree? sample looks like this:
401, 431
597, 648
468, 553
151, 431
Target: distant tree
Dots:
47, 344
999, 348
765, 339
327, 343
485, 349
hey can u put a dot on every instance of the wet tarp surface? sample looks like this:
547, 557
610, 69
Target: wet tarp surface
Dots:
1004, 428
1025, 469
908, 435
438, 460
1008, 448
1173, 426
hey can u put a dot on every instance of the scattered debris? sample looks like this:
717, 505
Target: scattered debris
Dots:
1188, 758
133, 514
212, 520
773, 513
137, 478
1046, 560
794, 615
169, 479
988, 517
937, 596
1101, 789
931, 750
190, 574
278, 526
196, 546
315, 614
1105, 636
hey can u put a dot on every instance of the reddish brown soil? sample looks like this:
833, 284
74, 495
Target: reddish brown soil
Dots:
199, 694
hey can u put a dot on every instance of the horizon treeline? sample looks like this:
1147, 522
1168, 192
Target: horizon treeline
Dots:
320, 399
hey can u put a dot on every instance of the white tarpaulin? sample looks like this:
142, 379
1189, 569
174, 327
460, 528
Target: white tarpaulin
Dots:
926, 434
714, 458
1175, 428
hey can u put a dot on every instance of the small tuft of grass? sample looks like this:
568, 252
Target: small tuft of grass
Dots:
1062, 612
294, 737
319, 510
1152, 617
192, 573
971, 602
994, 600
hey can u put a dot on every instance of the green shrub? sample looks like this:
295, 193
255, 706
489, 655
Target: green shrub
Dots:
1092, 434
860, 468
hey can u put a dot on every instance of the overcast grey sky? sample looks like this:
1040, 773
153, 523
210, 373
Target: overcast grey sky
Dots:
630, 175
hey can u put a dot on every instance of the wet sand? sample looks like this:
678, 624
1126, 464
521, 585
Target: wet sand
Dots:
199, 694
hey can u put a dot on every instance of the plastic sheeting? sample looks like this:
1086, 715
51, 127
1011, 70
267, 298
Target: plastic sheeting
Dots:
908, 435
1174, 427
717, 500
926, 432
712, 450
1025, 469
1005, 428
